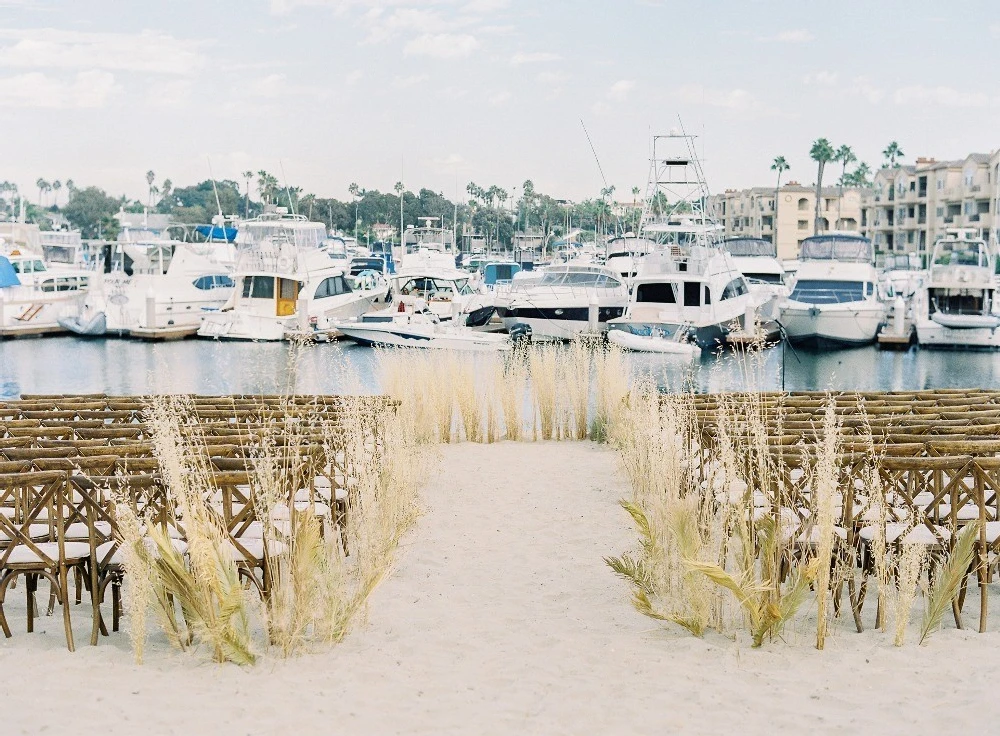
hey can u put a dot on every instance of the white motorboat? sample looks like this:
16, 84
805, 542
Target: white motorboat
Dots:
904, 273
955, 306
33, 298
698, 296
624, 253
835, 299
757, 260
286, 283
425, 244
657, 341
567, 300
156, 288
414, 329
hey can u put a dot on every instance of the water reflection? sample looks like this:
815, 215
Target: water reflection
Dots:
71, 365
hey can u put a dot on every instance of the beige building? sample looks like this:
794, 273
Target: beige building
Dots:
751, 213
909, 207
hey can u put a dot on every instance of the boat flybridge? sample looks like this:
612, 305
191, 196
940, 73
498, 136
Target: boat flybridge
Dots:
286, 283
154, 288
904, 272
954, 307
686, 289
757, 259
836, 298
568, 299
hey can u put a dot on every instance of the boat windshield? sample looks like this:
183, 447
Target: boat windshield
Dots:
960, 253
594, 280
28, 266
763, 278
831, 292
302, 234
836, 247
750, 247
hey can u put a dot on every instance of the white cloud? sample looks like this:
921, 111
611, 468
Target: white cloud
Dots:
271, 85
410, 81
537, 57
442, 45
944, 96
172, 94
353, 77
89, 89
147, 51
620, 89
995, 30
484, 6
730, 99
499, 98
864, 87
821, 79
796, 35
551, 78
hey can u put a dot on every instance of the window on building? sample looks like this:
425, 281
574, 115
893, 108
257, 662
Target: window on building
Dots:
803, 203
803, 224
940, 184
940, 211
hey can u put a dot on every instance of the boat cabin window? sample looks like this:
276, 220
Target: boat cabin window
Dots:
692, 293
64, 283
763, 278
960, 253
333, 286
28, 266
831, 292
213, 281
595, 280
428, 288
462, 286
656, 293
258, 287
734, 288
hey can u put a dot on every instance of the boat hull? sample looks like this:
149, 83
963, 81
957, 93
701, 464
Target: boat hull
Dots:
832, 324
653, 344
931, 334
424, 337
557, 323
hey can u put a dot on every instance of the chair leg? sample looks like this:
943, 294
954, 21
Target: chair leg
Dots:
30, 583
4, 583
116, 603
64, 599
78, 579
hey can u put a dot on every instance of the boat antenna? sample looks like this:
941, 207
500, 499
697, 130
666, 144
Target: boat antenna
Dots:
594, 151
215, 189
288, 192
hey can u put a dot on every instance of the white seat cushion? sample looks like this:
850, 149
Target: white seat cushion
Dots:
319, 509
920, 534
117, 557
74, 551
35, 531
78, 530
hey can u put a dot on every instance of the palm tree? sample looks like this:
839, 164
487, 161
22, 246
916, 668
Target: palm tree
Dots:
398, 188
168, 187
846, 156
150, 178
891, 153
822, 153
247, 176
781, 166
859, 177
41, 184
357, 192
70, 188
635, 206
56, 186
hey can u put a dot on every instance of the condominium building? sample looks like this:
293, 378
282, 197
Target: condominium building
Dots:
751, 213
911, 206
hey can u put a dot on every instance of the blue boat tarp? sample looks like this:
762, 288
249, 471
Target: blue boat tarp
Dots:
217, 233
8, 276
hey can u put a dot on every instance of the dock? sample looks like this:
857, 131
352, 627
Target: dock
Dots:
893, 341
31, 331
766, 333
174, 332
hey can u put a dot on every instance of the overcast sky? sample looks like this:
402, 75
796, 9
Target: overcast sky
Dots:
443, 91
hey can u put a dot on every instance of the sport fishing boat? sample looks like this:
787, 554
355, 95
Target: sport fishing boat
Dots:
757, 260
286, 283
567, 300
836, 298
688, 288
954, 307
696, 297
155, 289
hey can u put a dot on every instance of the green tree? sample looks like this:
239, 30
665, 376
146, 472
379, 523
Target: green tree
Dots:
845, 155
92, 210
150, 178
781, 166
892, 154
41, 184
861, 176
822, 153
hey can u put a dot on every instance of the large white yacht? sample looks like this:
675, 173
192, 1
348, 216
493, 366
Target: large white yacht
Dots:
955, 306
286, 283
155, 289
33, 298
624, 252
835, 300
557, 306
757, 259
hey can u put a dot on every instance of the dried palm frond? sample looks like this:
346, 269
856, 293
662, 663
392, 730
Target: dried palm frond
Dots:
949, 580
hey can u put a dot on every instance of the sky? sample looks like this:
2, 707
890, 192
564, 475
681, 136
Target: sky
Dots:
438, 93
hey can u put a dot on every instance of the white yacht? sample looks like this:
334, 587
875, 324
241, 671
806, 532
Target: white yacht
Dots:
33, 298
757, 259
156, 289
427, 242
835, 299
286, 283
954, 308
419, 329
624, 253
904, 273
697, 296
561, 303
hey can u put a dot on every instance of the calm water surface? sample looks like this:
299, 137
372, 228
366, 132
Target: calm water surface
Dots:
72, 365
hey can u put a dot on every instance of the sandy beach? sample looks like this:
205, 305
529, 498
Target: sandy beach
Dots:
500, 617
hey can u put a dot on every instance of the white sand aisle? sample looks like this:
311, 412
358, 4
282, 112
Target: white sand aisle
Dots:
502, 618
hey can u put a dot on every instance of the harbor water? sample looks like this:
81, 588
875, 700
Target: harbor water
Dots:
116, 366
